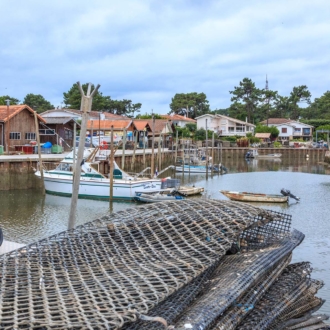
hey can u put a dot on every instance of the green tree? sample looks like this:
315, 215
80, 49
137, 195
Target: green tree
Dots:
248, 94
282, 107
190, 104
12, 100
269, 99
149, 116
237, 110
319, 109
200, 134
192, 127
37, 102
298, 94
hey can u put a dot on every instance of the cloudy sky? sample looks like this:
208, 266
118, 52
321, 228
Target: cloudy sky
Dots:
149, 50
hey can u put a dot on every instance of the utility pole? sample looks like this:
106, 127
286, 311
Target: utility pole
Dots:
86, 107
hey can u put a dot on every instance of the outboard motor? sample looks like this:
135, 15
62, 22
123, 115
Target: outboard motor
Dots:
286, 192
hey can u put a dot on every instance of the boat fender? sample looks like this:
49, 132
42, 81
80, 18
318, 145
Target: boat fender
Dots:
1, 236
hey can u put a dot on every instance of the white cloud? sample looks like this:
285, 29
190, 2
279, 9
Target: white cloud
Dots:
149, 50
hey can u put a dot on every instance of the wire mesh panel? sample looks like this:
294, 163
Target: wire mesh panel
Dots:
105, 273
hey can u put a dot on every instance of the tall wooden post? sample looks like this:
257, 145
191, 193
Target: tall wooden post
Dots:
206, 150
134, 150
159, 156
86, 107
92, 133
39, 151
152, 166
144, 147
212, 152
111, 168
8, 127
176, 145
123, 154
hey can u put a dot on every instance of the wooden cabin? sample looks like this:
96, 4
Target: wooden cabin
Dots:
17, 128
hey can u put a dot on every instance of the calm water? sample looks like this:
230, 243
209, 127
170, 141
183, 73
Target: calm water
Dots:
27, 215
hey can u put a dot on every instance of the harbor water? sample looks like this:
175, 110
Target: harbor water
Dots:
28, 215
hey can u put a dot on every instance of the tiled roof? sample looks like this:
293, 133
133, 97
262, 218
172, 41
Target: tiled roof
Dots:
140, 125
275, 121
159, 124
179, 118
106, 124
94, 114
14, 110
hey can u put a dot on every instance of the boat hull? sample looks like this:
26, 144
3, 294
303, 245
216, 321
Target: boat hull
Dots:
195, 169
98, 188
254, 197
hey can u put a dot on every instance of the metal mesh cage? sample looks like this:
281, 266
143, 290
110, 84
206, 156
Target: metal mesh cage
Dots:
105, 273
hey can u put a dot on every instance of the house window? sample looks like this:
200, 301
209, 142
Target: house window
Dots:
68, 134
46, 131
15, 136
239, 128
231, 129
30, 136
297, 130
284, 130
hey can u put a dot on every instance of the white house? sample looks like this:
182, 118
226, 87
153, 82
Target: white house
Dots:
224, 126
180, 121
290, 129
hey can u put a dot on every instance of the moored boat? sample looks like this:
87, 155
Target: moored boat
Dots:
200, 169
157, 197
254, 197
93, 184
253, 153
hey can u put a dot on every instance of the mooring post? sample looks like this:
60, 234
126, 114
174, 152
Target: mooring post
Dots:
134, 150
39, 151
86, 107
123, 154
152, 166
212, 153
206, 151
111, 168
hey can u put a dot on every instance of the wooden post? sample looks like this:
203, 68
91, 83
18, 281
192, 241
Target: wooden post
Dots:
92, 132
176, 146
134, 150
39, 150
144, 147
206, 150
123, 154
159, 156
111, 168
212, 152
8, 127
152, 166
86, 106
74, 147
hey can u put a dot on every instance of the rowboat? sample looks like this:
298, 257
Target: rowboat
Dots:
201, 169
157, 197
254, 197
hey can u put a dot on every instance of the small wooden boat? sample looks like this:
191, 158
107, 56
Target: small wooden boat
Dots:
157, 197
189, 191
254, 197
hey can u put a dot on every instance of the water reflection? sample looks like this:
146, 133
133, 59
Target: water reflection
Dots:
28, 215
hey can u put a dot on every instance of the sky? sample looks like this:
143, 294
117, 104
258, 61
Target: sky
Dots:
148, 50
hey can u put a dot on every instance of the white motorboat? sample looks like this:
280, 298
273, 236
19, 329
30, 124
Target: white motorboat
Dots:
200, 169
93, 184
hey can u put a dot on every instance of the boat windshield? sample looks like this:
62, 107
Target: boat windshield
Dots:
65, 167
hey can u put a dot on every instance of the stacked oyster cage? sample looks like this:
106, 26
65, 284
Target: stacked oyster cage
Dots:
193, 264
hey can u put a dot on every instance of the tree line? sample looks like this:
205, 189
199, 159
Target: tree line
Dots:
247, 102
